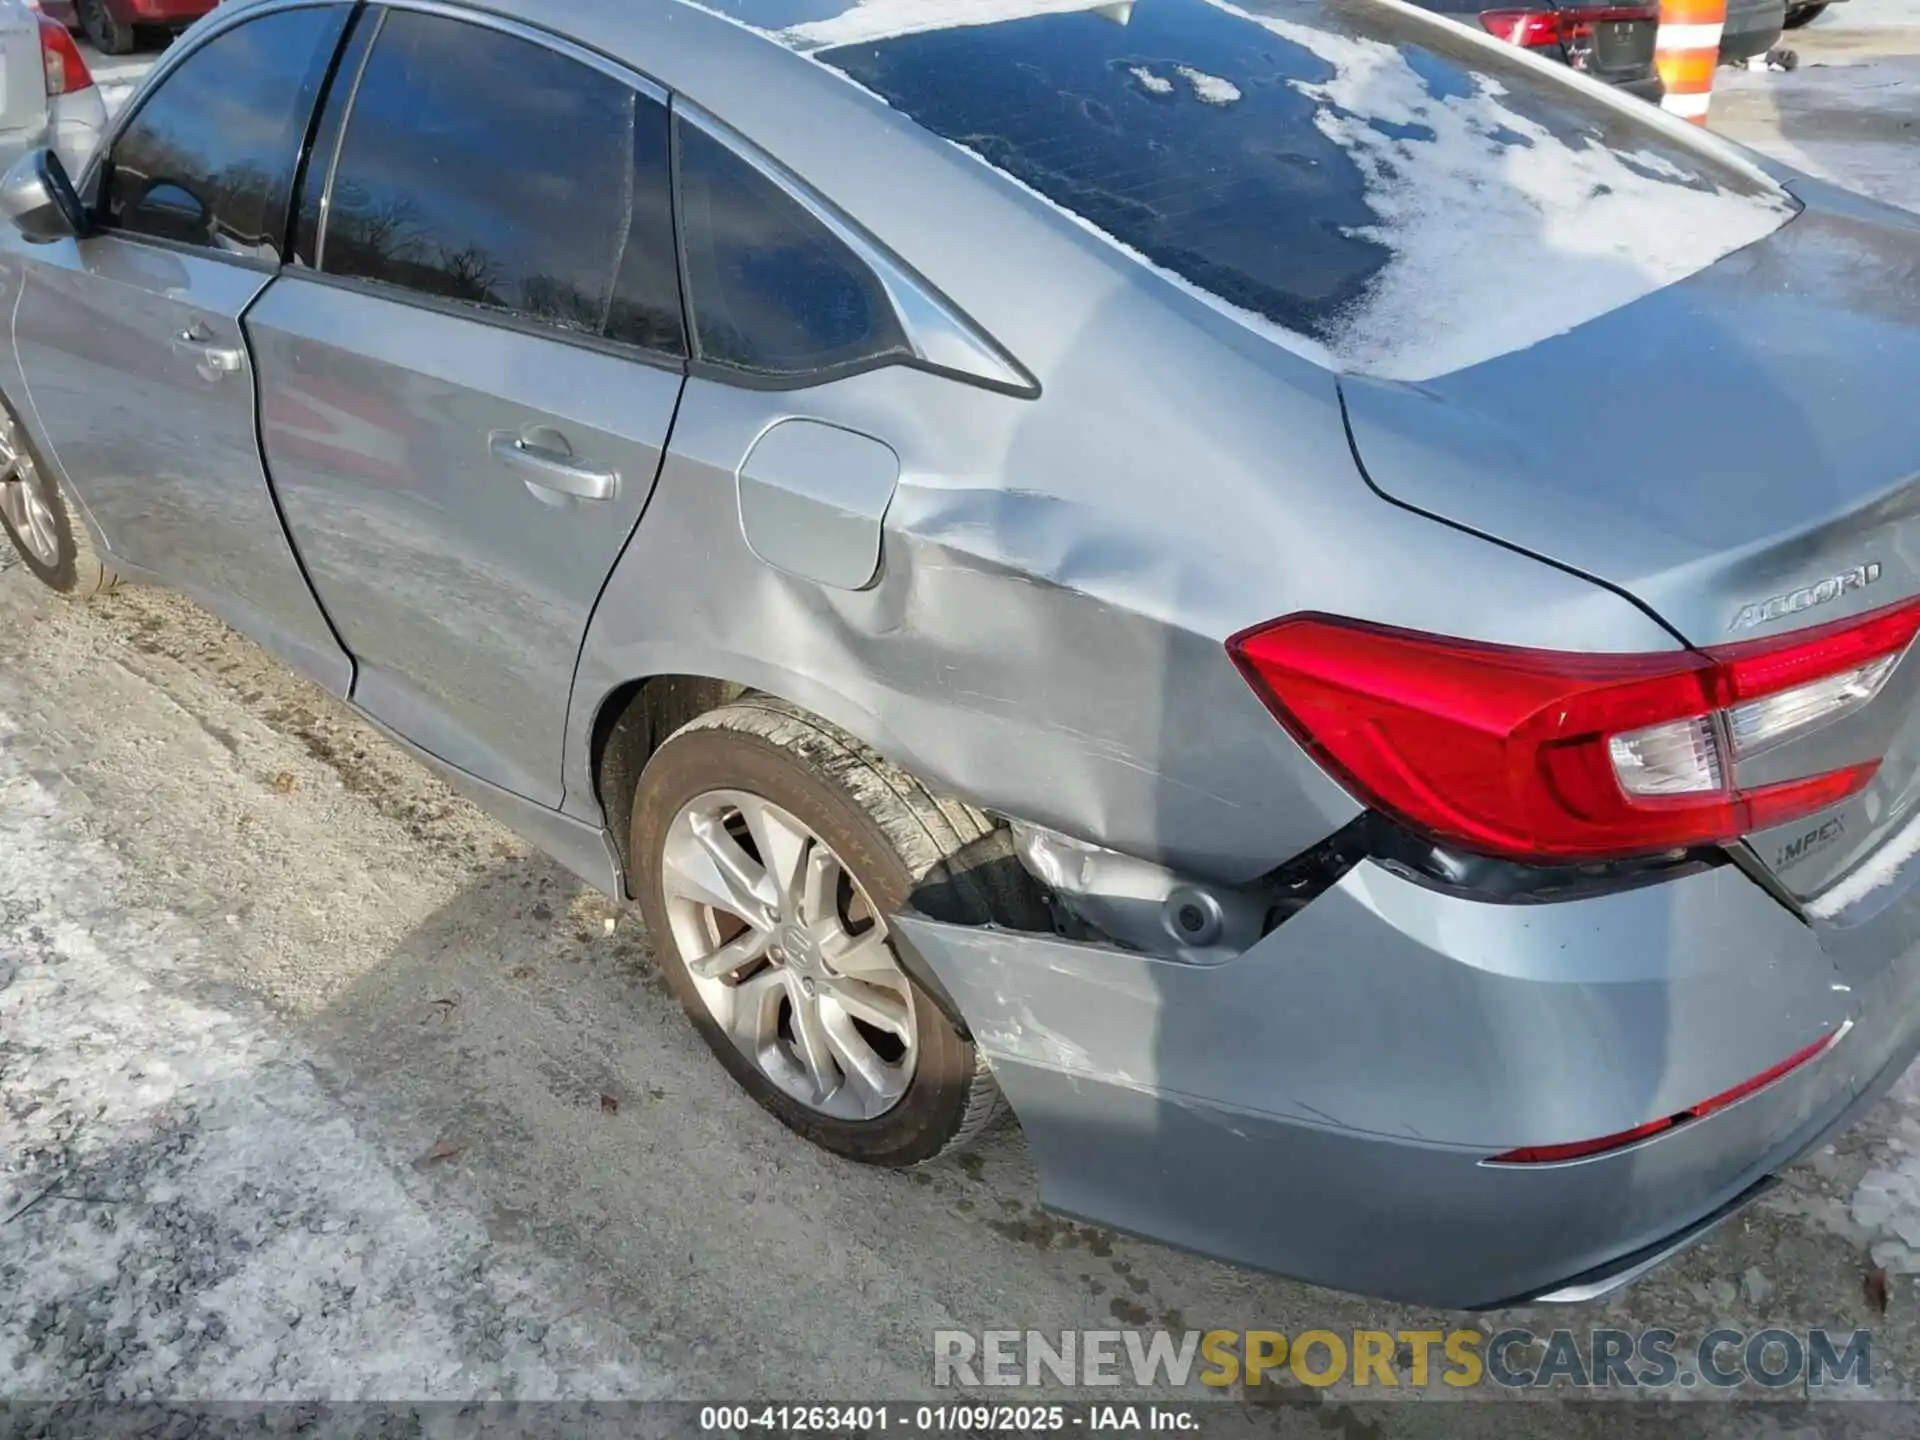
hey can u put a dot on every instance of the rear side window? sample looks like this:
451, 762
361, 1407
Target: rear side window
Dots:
487, 170
772, 290
209, 159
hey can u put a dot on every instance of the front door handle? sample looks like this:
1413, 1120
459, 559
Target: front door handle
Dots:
210, 359
549, 470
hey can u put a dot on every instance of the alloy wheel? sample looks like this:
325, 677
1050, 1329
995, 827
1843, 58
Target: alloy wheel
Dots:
789, 955
26, 512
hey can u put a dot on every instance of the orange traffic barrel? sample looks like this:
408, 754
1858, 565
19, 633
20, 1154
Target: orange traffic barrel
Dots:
1686, 53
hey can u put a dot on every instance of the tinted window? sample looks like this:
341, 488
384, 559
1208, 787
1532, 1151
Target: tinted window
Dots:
482, 168
1361, 175
209, 159
772, 289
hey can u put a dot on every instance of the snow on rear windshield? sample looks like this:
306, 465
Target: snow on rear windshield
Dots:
1370, 185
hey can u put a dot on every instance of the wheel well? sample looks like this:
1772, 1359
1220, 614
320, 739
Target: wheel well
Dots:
640, 716
633, 722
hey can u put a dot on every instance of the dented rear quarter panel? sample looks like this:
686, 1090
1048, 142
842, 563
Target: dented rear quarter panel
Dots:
1058, 574
1058, 578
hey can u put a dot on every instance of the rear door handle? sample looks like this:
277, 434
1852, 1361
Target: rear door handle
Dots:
210, 359
548, 471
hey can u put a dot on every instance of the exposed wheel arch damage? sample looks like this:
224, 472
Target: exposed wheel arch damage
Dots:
983, 884
999, 875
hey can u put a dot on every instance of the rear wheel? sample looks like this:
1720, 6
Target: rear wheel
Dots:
1798, 15
768, 852
109, 36
44, 528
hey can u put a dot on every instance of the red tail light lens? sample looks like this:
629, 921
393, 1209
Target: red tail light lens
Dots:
1557, 757
1523, 27
1561, 27
67, 72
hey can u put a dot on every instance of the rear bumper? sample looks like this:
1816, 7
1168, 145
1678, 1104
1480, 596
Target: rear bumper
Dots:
1324, 1106
1753, 27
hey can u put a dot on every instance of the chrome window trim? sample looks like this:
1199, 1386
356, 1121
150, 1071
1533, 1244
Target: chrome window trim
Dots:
942, 338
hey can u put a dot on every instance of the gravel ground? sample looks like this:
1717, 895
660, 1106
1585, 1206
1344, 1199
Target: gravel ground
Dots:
315, 1083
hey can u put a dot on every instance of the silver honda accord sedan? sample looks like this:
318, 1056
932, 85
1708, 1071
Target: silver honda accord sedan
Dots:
1178, 563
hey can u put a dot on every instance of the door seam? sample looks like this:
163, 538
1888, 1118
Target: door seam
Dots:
273, 493
593, 612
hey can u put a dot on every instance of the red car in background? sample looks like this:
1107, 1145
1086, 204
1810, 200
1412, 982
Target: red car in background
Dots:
115, 26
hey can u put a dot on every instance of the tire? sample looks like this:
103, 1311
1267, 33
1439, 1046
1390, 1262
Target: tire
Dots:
109, 36
888, 834
42, 523
1798, 15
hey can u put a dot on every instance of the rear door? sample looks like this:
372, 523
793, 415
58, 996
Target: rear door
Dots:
130, 339
468, 381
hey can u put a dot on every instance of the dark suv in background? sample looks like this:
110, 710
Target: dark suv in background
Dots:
1613, 43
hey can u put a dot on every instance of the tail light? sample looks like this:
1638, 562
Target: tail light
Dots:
1523, 27
1571, 29
1558, 757
67, 72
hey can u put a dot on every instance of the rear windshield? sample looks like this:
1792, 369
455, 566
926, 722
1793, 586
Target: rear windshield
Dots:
1375, 186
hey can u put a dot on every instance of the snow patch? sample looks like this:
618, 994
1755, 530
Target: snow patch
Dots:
1150, 82
1560, 234
1210, 88
1887, 1199
1879, 870
872, 20
188, 1213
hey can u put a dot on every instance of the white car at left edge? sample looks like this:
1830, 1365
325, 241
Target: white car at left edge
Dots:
47, 95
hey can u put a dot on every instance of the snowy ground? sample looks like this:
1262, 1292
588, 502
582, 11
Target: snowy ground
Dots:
212, 1223
1851, 112
315, 1083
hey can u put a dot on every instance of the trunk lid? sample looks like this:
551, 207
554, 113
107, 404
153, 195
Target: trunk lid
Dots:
1740, 453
